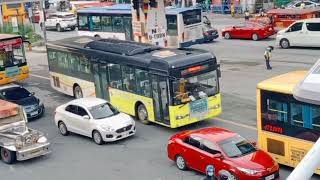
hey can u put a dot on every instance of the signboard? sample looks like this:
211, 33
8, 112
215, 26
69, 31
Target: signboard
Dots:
156, 25
12, 71
198, 108
137, 28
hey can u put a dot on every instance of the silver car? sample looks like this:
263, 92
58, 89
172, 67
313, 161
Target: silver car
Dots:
17, 141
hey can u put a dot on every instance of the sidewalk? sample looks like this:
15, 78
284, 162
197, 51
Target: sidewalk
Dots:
38, 47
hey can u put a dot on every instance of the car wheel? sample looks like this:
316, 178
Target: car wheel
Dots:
58, 27
227, 35
73, 28
284, 43
97, 138
7, 156
181, 163
63, 129
142, 114
77, 92
255, 37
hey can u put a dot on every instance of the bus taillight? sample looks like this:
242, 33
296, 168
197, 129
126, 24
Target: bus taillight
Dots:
182, 36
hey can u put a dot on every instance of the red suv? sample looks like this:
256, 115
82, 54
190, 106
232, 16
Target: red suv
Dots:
227, 151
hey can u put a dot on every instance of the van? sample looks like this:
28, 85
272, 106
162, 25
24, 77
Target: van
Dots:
300, 33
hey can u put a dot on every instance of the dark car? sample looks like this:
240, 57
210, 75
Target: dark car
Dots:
209, 33
33, 107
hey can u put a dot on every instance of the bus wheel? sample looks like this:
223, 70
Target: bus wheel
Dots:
142, 114
77, 92
284, 43
227, 35
7, 156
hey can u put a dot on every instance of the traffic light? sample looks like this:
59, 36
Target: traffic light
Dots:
46, 4
153, 3
136, 4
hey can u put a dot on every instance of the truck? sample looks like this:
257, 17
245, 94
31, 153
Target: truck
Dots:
17, 141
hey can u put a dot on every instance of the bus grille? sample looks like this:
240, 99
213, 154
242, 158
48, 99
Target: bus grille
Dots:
275, 147
121, 130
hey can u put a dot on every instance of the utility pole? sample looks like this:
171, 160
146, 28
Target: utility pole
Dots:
1, 18
43, 19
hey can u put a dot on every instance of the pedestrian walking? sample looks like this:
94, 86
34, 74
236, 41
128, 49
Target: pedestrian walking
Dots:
267, 56
210, 173
246, 14
232, 9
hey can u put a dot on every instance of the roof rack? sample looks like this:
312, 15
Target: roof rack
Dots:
128, 48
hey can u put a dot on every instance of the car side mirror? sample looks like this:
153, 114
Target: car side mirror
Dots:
32, 93
234, 27
86, 117
218, 155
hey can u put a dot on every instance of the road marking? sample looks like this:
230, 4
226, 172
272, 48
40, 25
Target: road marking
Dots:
42, 77
235, 123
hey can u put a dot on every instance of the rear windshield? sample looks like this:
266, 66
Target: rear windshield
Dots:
192, 17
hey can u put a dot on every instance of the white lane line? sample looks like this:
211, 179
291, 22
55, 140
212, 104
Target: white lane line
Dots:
216, 118
235, 123
42, 77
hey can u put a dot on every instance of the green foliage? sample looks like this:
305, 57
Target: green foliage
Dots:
25, 30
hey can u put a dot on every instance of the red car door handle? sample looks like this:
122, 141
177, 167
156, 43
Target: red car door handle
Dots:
201, 157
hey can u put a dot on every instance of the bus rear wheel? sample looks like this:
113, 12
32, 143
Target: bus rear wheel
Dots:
142, 114
77, 92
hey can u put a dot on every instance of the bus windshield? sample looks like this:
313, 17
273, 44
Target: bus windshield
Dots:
13, 57
191, 17
195, 87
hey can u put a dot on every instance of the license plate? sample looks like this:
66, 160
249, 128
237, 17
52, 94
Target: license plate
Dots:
271, 177
35, 151
33, 113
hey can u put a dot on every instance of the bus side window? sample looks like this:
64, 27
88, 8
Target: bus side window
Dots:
129, 79
315, 115
115, 76
279, 109
83, 22
52, 59
84, 65
74, 62
296, 114
106, 23
143, 83
63, 63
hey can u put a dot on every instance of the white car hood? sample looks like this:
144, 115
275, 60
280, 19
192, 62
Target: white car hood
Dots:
116, 122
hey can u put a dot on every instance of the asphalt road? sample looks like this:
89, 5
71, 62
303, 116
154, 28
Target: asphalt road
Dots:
144, 157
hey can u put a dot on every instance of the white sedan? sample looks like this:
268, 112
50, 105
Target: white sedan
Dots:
94, 117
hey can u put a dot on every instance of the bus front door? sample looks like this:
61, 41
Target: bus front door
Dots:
101, 81
160, 99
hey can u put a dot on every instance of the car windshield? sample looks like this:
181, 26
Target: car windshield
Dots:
103, 111
236, 146
15, 93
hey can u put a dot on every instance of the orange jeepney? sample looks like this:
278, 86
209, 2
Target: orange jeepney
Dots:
282, 18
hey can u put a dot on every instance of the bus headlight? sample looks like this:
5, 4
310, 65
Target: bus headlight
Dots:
214, 107
182, 116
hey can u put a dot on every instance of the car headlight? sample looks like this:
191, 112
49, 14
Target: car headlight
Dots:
19, 142
249, 171
42, 139
106, 127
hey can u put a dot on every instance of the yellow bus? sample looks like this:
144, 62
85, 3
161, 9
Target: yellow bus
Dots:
170, 87
287, 128
13, 64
